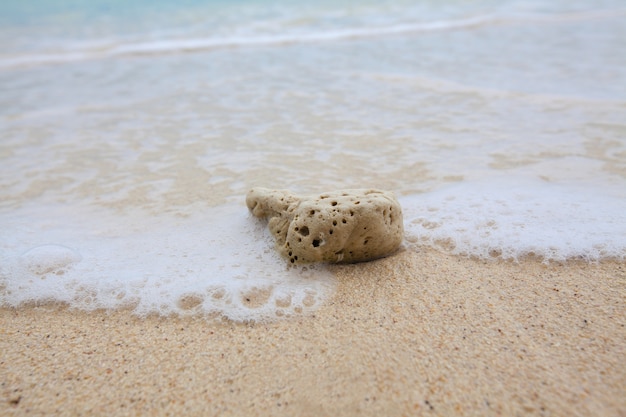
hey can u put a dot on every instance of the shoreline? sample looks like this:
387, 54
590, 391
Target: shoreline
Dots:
417, 333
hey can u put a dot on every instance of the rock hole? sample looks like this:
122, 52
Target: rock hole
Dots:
351, 213
334, 203
312, 213
330, 232
316, 243
344, 221
334, 222
357, 202
304, 231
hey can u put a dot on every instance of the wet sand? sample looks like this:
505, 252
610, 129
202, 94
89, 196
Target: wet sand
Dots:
414, 334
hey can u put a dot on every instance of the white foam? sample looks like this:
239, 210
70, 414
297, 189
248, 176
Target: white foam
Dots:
49, 259
220, 262
513, 218
102, 50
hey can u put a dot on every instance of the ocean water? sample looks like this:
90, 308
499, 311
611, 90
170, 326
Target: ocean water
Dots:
131, 131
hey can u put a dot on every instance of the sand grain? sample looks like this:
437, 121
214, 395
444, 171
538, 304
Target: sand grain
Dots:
414, 334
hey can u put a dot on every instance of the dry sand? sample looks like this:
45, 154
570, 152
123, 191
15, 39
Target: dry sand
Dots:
414, 334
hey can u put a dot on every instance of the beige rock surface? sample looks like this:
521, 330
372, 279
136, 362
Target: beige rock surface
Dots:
343, 226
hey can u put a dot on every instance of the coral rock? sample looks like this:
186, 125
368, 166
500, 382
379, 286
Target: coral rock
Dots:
342, 226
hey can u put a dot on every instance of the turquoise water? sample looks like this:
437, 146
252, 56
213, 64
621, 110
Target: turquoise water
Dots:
131, 131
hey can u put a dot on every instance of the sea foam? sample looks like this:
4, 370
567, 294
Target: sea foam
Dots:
512, 218
220, 263
87, 51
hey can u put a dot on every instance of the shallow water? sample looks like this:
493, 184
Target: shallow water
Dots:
131, 133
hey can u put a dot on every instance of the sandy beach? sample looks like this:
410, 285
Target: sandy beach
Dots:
131, 133
414, 334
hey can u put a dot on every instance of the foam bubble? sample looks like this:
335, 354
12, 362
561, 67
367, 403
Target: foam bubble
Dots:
49, 259
218, 262
513, 218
